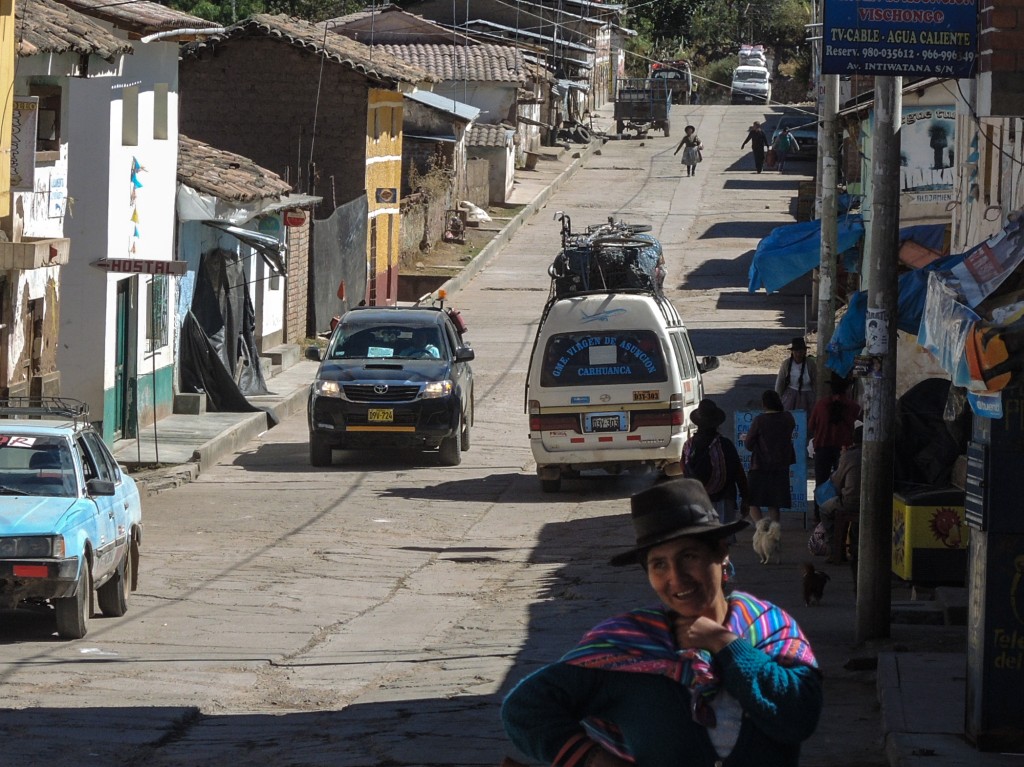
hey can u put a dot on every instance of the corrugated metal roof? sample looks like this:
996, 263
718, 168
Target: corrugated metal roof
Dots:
476, 63
465, 112
139, 17
46, 26
372, 62
488, 135
225, 175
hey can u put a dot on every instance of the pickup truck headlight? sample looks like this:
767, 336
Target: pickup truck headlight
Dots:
436, 389
32, 547
327, 388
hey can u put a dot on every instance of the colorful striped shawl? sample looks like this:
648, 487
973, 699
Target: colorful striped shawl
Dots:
642, 641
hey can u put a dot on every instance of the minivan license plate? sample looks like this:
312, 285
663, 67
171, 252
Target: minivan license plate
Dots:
605, 422
380, 415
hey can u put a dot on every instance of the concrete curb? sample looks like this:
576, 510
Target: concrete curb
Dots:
491, 248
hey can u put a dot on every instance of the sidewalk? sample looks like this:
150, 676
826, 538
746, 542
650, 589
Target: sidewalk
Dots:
921, 692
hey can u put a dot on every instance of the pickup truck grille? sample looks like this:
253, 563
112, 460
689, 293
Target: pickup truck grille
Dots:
372, 393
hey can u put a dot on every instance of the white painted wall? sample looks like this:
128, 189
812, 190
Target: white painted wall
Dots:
99, 180
496, 101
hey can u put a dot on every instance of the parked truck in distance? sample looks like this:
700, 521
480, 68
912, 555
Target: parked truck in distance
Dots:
642, 104
677, 76
751, 80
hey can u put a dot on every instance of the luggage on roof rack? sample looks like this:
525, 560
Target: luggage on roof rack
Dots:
608, 257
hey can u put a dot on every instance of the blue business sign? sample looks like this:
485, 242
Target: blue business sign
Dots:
900, 37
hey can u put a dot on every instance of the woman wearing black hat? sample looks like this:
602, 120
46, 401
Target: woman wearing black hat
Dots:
708, 675
711, 459
795, 383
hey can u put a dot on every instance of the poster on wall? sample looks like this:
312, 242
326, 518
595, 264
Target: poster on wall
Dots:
797, 472
927, 160
23, 143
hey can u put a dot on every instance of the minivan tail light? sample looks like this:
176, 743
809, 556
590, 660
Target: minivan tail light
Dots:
664, 417
554, 422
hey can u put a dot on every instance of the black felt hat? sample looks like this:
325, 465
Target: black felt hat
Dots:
707, 415
798, 344
671, 510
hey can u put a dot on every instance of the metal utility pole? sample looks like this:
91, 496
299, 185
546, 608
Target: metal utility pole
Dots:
875, 550
829, 226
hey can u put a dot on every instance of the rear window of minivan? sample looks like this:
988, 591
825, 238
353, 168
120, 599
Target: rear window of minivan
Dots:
602, 359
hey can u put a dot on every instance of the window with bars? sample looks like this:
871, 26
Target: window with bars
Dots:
156, 330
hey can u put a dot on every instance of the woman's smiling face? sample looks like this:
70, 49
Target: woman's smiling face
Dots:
686, 574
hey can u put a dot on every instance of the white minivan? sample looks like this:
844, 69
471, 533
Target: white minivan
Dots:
751, 85
611, 384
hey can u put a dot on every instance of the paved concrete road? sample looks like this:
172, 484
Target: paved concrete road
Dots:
375, 613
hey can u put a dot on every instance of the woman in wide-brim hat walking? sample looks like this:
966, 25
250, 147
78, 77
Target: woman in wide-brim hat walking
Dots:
707, 674
797, 378
712, 459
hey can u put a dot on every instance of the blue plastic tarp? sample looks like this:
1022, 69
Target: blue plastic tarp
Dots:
792, 251
848, 338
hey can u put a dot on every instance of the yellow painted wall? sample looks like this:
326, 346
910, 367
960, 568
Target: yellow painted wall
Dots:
6, 101
383, 186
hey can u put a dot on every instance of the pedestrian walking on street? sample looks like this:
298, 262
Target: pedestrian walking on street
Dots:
710, 674
758, 142
692, 149
711, 458
830, 428
797, 378
783, 144
770, 442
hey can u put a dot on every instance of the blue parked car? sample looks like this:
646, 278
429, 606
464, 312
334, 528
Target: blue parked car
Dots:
70, 518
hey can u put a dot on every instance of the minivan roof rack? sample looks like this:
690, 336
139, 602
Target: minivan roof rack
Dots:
74, 410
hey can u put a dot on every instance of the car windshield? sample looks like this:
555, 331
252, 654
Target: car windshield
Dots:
751, 77
360, 341
613, 357
36, 465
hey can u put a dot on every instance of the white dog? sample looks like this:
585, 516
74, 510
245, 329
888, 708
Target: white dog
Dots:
768, 540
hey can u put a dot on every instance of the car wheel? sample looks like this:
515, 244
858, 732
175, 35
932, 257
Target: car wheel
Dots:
320, 450
73, 613
665, 127
112, 596
465, 429
551, 485
450, 450
619, 126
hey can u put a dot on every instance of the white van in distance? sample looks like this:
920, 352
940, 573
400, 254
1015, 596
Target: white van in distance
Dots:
751, 85
612, 382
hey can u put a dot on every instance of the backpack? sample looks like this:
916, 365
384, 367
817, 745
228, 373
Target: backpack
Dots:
714, 470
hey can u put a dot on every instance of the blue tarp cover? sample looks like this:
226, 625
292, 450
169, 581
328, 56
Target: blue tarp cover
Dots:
793, 250
848, 339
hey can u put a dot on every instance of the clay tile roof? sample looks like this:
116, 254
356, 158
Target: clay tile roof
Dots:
476, 63
140, 17
487, 135
46, 26
372, 62
226, 175
360, 15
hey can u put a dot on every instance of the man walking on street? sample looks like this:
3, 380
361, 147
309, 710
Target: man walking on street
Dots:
758, 142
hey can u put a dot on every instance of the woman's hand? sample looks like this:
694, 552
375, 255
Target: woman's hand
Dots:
701, 633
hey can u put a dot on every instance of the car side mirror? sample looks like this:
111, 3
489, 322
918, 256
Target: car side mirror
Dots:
708, 364
313, 353
99, 487
464, 354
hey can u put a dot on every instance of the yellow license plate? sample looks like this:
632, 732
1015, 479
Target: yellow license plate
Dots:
645, 395
380, 415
